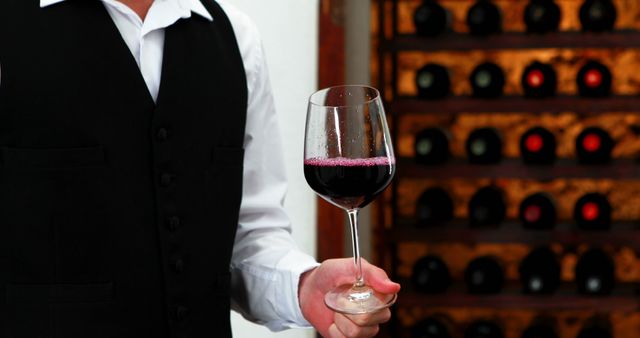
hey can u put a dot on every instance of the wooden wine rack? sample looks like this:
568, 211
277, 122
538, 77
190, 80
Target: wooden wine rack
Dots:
400, 242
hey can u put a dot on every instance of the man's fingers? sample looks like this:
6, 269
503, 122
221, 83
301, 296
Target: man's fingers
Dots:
370, 319
378, 279
334, 332
349, 329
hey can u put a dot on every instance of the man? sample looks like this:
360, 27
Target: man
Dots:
141, 178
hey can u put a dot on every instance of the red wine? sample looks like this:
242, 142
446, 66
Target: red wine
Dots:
349, 183
594, 80
431, 19
540, 330
483, 329
540, 272
538, 212
433, 81
598, 15
593, 212
484, 18
539, 80
599, 329
431, 275
484, 146
432, 146
487, 207
594, 146
538, 146
434, 207
431, 327
542, 16
487, 80
484, 275
595, 273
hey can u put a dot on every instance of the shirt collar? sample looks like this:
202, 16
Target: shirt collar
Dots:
194, 5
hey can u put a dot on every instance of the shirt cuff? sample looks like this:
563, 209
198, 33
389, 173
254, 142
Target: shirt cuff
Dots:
296, 263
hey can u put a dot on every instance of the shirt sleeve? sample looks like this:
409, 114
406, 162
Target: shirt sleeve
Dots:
266, 263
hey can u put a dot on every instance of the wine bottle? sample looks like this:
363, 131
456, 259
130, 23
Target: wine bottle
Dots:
433, 81
538, 146
432, 146
484, 18
484, 146
539, 80
483, 329
540, 272
594, 80
595, 273
487, 207
593, 212
538, 212
596, 329
431, 19
431, 275
594, 146
431, 327
542, 16
598, 15
434, 207
487, 80
540, 329
484, 275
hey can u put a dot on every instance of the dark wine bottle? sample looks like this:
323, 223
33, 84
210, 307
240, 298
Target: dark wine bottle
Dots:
539, 80
484, 275
596, 329
431, 19
538, 212
484, 18
487, 207
542, 16
593, 212
595, 273
540, 329
487, 80
431, 275
594, 146
431, 327
433, 81
594, 80
434, 207
432, 146
598, 15
483, 329
538, 146
484, 146
540, 272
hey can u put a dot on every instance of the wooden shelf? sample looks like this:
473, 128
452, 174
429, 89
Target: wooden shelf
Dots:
624, 298
514, 40
621, 234
514, 168
516, 104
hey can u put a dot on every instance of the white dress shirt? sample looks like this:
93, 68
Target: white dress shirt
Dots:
266, 264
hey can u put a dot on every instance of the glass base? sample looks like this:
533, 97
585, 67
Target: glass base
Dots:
354, 300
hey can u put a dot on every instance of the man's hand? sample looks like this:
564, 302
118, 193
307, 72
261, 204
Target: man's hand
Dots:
315, 283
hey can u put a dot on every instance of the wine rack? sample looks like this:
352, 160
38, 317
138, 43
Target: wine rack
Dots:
399, 239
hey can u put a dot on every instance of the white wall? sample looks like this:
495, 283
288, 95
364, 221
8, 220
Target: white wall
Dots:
290, 34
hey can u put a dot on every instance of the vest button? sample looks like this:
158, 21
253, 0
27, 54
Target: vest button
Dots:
162, 134
178, 265
166, 179
181, 313
174, 223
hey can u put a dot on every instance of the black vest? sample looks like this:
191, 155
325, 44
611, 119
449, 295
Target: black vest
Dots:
117, 215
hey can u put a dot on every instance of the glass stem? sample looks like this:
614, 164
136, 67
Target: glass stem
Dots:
353, 221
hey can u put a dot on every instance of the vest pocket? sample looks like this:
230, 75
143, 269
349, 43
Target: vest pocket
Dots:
53, 158
55, 310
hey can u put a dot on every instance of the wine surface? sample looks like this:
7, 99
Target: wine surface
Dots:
349, 183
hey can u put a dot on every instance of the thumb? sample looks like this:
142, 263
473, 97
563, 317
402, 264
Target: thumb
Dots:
378, 279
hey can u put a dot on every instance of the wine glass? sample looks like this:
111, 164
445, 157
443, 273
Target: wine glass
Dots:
348, 161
